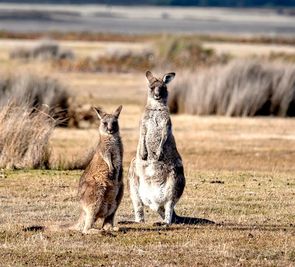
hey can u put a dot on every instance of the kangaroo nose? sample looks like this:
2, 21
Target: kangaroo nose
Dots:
157, 92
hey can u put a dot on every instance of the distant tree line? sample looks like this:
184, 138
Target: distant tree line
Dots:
208, 3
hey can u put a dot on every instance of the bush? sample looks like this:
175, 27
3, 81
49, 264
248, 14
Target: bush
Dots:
113, 61
24, 139
241, 88
185, 52
45, 50
35, 91
169, 52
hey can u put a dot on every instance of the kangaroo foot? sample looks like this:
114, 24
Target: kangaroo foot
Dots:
162, 224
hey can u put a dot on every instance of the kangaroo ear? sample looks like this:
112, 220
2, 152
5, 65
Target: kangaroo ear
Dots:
118, 111
149, 76
99, 112
168, 77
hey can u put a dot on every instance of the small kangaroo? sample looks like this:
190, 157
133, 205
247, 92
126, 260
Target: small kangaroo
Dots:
101, 185
156, 175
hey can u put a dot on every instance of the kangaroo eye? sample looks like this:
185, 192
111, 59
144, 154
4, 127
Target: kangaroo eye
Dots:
105, 123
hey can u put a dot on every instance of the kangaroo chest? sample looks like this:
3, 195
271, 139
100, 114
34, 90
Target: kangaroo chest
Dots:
114, 148
155, 124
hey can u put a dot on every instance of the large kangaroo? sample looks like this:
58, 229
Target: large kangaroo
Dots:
156, 175
101, 185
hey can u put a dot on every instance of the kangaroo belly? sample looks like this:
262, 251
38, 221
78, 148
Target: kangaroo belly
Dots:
155, 195
108, 204
99, 191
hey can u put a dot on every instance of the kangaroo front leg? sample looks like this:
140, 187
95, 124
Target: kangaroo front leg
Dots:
142, 146
107, 156
164, 136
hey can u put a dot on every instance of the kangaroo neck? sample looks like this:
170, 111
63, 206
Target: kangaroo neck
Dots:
155, 105
104, 139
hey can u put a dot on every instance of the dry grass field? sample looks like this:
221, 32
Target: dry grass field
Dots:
240, 174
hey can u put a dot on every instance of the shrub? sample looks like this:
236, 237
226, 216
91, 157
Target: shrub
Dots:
45, 50
24, 139
185, 52
127, 60
241, 88
112, 61
168, 52
33, 90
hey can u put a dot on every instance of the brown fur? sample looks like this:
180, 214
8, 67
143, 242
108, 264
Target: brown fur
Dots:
101, 185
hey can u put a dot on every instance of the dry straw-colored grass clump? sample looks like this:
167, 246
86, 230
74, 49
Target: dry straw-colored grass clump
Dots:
26, 88
24, 139
241, 88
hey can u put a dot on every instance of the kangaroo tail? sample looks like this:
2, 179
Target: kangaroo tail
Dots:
34, 228
52, 227
189, 220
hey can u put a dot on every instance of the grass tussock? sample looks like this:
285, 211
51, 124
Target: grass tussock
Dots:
34, 90
241, 88
45, 50
24, 139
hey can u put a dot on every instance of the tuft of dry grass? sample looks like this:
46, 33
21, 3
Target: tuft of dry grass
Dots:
24, 139
27, 88
241, 88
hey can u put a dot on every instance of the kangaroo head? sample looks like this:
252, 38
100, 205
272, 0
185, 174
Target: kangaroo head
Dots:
108, 122
158, 87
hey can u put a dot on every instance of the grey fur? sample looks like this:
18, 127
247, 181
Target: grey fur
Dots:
156, 175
